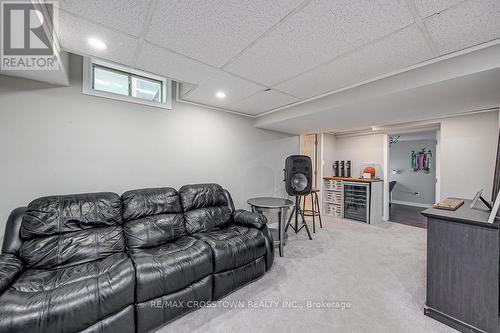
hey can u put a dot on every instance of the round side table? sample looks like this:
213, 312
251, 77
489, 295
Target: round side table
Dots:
280, 205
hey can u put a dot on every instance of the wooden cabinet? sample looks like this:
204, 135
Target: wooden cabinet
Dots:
463, 269
334, 199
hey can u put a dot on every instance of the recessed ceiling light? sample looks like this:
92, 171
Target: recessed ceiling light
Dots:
220, 94
97, 44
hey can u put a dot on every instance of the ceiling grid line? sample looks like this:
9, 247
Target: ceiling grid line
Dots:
182, 55
444, 10
297, 9
205, 64
421, 26
284, 92
159, 46
301, 50
144, 31
343, 55
232, 74
259, 92
97, 23
432, 61
265, 87
248, 97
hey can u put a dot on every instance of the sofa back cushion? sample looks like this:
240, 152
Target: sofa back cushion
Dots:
205, 207
151, 217
66, 230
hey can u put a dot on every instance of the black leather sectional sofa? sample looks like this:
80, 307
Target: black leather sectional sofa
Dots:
99, 262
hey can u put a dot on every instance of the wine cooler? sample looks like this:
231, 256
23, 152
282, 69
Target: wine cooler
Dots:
356, 201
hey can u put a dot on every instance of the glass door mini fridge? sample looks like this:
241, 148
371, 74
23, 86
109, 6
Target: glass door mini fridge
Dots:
356, 201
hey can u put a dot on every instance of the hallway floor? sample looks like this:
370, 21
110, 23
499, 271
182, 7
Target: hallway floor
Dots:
408, 215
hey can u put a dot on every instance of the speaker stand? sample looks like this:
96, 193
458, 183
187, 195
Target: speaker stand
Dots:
296, 211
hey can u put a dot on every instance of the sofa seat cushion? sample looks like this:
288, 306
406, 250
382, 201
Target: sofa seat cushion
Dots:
167, 268
68, 299
234, 246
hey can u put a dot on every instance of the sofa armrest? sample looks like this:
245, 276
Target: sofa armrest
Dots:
10, 268
249, 219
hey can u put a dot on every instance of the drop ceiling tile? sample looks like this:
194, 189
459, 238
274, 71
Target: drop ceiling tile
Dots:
73, 33
470, 23
214, 31
124, 15
430, 7
235, 88
263, 101
323, 30
155, 59
401, 49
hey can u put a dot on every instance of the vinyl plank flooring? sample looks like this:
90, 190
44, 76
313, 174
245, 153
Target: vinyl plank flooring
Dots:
408, 215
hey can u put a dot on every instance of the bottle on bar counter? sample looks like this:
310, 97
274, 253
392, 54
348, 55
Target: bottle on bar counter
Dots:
336, 168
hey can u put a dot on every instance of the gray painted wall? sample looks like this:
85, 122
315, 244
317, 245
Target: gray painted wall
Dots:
55, 140
408, 180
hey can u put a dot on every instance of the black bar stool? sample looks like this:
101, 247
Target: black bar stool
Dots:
315, 208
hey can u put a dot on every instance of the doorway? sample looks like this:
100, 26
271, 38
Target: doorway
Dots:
412, 176
309, 147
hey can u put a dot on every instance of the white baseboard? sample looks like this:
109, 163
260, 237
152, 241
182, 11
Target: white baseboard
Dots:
409, 203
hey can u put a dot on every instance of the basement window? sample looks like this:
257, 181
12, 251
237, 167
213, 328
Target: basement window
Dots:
113, 81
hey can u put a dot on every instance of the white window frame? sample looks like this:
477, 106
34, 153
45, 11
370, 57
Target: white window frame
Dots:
88, 78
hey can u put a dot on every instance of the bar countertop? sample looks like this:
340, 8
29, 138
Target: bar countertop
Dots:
350, 179
478, 215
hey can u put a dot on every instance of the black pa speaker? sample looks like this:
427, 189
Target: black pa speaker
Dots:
298, 175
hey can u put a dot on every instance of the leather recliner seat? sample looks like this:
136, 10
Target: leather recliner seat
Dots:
170, 266
238, 243
67, 267
100, 263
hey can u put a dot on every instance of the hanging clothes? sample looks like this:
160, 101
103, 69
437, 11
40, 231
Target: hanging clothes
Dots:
421, 161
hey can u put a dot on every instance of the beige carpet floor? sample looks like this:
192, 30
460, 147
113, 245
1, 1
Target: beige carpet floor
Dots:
371, 276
